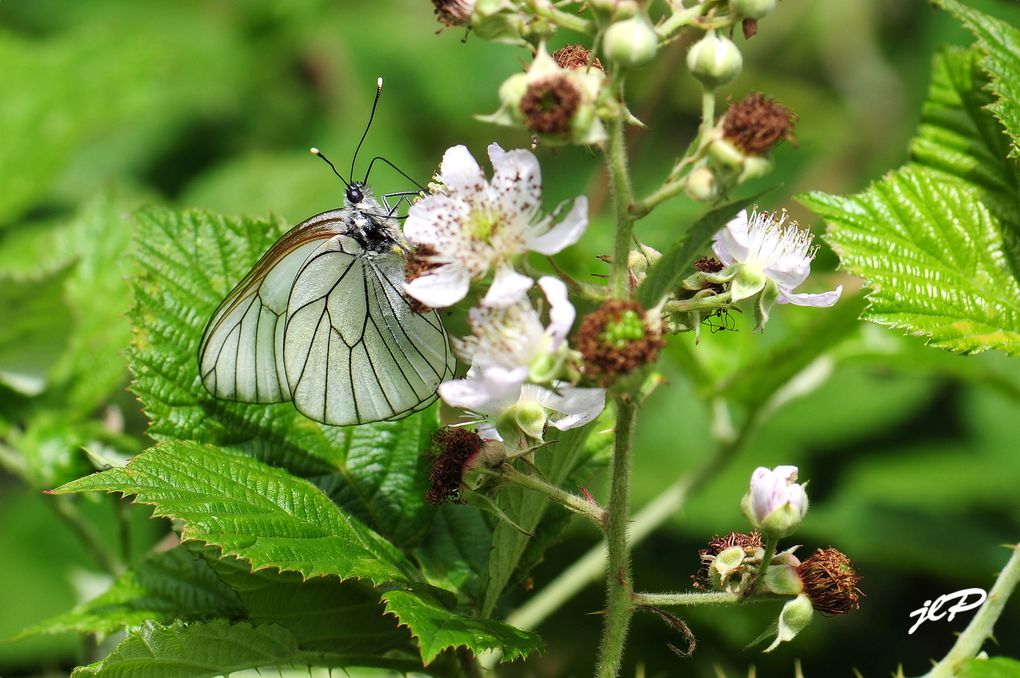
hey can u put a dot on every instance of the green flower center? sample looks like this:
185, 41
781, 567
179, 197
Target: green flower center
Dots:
628, 327
482, 225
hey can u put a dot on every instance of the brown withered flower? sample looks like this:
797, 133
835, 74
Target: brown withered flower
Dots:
454, 12
549, 104
756, 124
615, 340
451, 453
576, 57
831, 582
716, 545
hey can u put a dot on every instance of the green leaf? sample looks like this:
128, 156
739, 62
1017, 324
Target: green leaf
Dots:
454, 555
961, 140
933, 255
274, 520
437, 629
252, 511
195, 650
1001, 45
175, 584
34, 333
35, 250
188, 262
677, 262
996, 667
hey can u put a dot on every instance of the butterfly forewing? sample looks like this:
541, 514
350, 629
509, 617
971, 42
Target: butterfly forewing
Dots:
240, 357
354, 350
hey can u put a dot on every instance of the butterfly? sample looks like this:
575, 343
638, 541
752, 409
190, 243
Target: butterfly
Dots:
322, 320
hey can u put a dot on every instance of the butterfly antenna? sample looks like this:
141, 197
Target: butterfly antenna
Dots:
315, 151
371, 116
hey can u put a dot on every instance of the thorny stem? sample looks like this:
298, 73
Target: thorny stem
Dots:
623, 196
619, 607
572, 502
980, 628
571, 22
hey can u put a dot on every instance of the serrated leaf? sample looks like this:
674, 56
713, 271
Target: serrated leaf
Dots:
1001, 45
454, 555
197, 650
678, 261
437, 629
252, 511
933, 255
188, 262
996, 667
175, 584
959, 138
274, 520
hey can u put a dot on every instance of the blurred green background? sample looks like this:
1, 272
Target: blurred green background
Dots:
110, 104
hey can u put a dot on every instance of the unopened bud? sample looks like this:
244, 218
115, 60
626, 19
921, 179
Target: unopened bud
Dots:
702, 185
752, 9
631, 42
794, 618
714, 60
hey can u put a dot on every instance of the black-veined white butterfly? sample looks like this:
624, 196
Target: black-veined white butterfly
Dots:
322, 320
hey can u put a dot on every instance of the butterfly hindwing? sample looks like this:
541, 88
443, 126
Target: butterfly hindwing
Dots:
354, 349
240, 357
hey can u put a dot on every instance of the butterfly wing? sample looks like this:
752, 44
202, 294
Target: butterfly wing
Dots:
354, 349
241, 354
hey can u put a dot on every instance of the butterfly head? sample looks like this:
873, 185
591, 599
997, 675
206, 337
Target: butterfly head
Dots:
356, 193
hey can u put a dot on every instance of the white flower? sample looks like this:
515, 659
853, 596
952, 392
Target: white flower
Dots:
512, 409
774, 502
477, 226
512, 336
769, 249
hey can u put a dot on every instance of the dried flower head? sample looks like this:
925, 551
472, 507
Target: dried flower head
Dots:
708, 265
452, 451
615, 340
576, 57
454, 12
756, 124
831, 582
549, 104
750, 542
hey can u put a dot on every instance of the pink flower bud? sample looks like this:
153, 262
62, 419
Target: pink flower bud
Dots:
774, 502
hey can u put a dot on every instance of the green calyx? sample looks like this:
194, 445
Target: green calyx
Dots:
526, 418
627, 328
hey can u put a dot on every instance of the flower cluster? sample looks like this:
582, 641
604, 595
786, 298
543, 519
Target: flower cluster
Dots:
470, 229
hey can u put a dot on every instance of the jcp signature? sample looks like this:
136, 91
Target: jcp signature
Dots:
966, 599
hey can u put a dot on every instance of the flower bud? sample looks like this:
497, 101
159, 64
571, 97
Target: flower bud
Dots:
774, 503
783, 579
631, 42
752, 9
617, 9
702, 185
796, 615
714, 60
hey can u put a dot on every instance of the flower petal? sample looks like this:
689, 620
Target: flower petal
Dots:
563, 234
508, 286
435, 220
790, 270
577, 405
730, 243
561, 311
460, 171
442, 287
516, 180
818, 300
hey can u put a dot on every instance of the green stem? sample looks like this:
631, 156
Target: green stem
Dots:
619, 607
980, 628
68, 512
678, 20
623, 196
699, 304
694, 598
766, 560
566, 20
571, 501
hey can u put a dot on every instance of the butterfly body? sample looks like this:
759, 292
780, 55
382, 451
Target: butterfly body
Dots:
322, 320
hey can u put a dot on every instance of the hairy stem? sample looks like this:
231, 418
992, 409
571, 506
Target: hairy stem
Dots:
623, 196
566, 20
980, 628
572, 502
619, 607
694, 598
